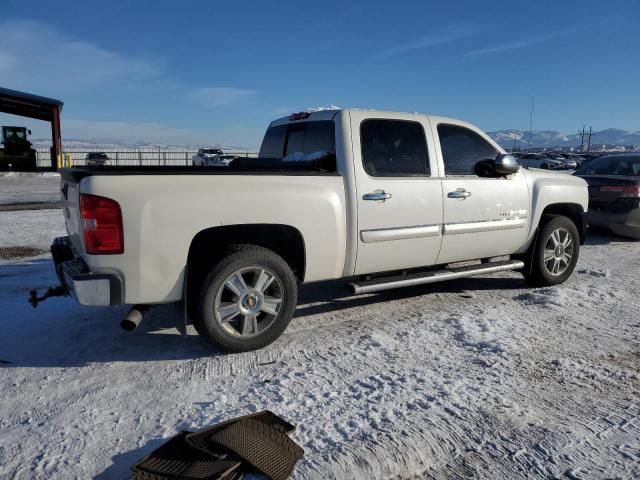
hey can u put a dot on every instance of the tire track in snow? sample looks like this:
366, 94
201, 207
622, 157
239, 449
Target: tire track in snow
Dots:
492, 384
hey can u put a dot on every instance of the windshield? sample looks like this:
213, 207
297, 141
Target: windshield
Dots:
15, 133
624, 166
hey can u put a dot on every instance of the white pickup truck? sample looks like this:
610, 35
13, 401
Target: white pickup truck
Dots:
380, 199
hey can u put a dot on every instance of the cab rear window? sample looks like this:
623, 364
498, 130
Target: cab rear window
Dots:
299, 141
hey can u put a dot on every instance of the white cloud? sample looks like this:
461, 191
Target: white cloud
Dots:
212, 97
37, 58
150, 132
518, 44
451, 34
33, 56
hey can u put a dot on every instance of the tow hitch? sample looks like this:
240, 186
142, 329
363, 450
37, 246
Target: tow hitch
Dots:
59, 291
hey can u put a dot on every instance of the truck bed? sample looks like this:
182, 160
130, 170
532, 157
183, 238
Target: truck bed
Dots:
243, 166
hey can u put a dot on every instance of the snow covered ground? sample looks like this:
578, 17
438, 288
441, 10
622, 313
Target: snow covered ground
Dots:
480, 378
22, 187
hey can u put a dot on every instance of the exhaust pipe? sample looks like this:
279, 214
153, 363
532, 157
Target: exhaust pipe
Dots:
134, 317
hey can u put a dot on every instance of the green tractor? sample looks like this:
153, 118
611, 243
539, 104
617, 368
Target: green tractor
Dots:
17, 153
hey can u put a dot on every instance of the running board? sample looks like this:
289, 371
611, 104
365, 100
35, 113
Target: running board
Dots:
410, 280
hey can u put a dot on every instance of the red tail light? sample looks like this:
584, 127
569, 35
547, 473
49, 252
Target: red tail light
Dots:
101, 225
632, 191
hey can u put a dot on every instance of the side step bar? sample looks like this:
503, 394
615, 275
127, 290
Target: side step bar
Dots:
410, 280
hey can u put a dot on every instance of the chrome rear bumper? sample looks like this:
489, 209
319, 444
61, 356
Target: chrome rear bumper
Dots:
86, 287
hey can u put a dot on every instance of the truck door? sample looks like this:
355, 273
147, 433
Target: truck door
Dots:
399, 192
483, 217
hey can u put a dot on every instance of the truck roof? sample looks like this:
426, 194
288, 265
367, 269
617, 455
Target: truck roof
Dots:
330, 113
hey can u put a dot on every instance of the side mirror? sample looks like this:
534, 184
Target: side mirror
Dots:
29, 132
505, 164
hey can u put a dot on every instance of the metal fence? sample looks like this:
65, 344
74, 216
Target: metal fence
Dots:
147, 157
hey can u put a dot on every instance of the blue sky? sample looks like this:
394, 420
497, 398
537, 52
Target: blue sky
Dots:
196, 72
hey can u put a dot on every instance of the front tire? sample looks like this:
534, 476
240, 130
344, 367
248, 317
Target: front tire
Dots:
247, 299
556, 251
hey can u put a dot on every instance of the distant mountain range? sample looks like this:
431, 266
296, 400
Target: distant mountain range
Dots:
113, 144
507, 138
553, 138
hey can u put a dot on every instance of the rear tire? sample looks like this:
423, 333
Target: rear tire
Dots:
544, 166
246, 300
556, 251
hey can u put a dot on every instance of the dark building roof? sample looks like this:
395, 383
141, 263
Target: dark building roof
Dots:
28, 105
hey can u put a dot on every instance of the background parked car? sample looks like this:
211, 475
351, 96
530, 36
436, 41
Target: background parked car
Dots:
572, 157
204, 156
539, 160
614, 193
224, 160
97, 159
568, 163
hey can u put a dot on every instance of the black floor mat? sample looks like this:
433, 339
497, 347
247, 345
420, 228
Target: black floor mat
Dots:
235, 475
177, 459
200, 440
261, 446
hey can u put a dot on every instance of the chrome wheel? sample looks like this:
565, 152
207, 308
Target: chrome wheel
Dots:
558, 252
248, 301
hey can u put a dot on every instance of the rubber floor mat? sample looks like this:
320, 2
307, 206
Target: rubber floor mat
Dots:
261, 446
200, 440
235, 475
177, 459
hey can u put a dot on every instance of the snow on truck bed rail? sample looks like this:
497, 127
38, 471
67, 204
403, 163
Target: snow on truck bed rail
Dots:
480, 378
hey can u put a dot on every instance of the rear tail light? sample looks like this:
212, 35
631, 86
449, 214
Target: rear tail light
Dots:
101, 225
626, 191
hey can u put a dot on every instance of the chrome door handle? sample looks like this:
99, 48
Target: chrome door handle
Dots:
459, 193
377, 196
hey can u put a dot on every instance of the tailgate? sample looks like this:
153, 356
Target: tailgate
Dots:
70, 197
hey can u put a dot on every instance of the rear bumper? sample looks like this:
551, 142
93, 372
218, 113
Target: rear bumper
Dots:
625, 224
86, 287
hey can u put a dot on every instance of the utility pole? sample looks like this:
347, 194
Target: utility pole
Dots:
590, 135
582, 141
530, 123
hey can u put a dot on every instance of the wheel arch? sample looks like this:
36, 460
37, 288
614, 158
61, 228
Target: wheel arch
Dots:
573, 211
209, 244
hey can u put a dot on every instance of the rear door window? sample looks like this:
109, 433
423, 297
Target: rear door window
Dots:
394, 148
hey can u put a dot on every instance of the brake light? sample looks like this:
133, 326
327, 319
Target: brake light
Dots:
627, 191
299, 116
101, 225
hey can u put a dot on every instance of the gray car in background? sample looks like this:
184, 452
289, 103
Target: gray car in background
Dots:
97, 159
614, 193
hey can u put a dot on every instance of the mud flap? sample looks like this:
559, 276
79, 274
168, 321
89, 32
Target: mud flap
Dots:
528, 256
182, 313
